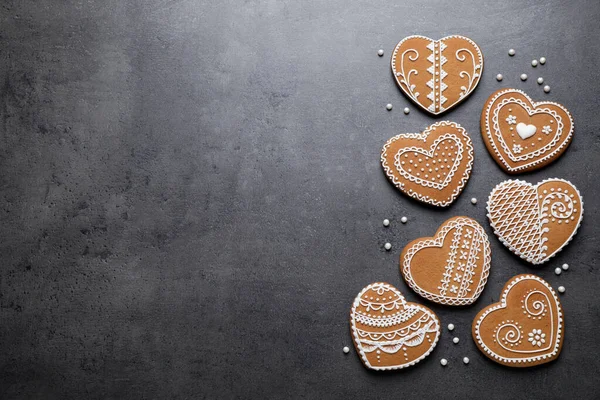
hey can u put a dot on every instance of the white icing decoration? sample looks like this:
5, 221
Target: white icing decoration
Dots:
525, 130
471, 77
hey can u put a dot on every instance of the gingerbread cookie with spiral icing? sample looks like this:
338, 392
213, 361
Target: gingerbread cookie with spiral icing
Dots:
437, 74
432, 166
389, 332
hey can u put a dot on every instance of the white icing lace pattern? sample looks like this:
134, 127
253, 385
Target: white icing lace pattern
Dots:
436, 95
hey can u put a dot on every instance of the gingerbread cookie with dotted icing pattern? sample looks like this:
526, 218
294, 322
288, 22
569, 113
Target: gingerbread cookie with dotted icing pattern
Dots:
451, 267
437, 74
432, 166
389, 332
535, 221
522, 135
525, 328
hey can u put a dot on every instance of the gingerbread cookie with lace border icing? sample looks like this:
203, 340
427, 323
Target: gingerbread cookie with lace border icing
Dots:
535, 221
523, 135
524, 329
388, 332
437, 74
432, 166
452, 267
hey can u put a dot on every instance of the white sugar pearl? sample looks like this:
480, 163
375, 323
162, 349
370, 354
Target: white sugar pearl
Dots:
466, 360
386, 222
380, 53
406, 110
450, 327
511, 52
534, 63
444, 362
542, 60
346, 350
540, 80
499, 77
474, 200
561, 289
404, 220
456, 340
565, 267
387, 246
389, 106
547, 89
557, 271
523, 77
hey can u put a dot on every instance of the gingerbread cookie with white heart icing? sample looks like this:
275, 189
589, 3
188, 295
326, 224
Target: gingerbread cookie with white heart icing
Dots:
432, 166
525, 328
535, 221
437, 74
389, 332
522, 135
451, 267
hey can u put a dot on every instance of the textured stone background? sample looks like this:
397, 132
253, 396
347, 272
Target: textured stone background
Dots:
191, 195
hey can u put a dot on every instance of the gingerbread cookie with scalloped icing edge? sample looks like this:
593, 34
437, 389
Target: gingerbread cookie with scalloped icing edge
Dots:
526, 328
523, 135
451, 267
432, 166
437, 74
535, 221
388, 332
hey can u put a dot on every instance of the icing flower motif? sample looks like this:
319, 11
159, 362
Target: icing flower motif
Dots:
463, 255
461, 266
467, 234
517, 148
547, 129
536, 337
454, 289
457, 277
511, 119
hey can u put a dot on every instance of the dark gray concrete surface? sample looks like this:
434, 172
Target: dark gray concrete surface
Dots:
191, 195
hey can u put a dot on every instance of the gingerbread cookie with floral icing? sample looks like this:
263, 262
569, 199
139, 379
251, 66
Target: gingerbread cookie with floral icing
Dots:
535, 221
452, 267
389, 332
437, 74
525, 328
522, 135
432, 166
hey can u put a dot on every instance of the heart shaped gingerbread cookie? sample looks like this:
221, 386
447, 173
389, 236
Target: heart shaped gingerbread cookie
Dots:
522, 135
525, 328
389, 332
437, 74
535, 222
432, 166
452, 267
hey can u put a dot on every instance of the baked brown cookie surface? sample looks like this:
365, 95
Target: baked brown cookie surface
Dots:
523, 135
437, 74
525, 328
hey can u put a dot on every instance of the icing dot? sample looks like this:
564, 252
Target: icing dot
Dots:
380, 53
387, 246
534, 63
523, 77
406, 110
444, 362
511, 52
565, 266
540, 80
547, 89
499, 77
557, 271
404, 220
389, 106
450, 327
473, 200
346, 350
455, 340
466, 360
561, 289
542, 60
386, 222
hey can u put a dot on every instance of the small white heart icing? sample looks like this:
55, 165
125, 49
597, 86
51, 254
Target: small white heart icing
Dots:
525, 131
